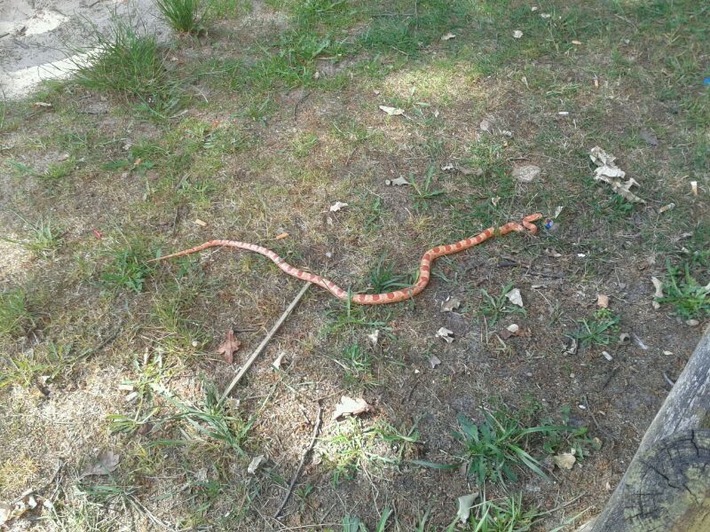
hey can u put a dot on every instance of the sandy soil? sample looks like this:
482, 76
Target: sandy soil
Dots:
43, 39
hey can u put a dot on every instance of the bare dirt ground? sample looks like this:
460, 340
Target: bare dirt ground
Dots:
114, 374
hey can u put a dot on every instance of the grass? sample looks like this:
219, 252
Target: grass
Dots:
502, 515
688, 298
601, 329
130, 65
15, 314
495, 447
185, 16
495, 308
251, 131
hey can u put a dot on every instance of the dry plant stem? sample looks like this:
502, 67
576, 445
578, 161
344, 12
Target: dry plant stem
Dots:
316, 428
263, 343
374, 299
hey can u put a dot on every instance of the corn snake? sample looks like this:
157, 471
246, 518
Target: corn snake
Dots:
373, 299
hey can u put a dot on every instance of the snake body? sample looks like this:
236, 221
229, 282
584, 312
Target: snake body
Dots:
373, 299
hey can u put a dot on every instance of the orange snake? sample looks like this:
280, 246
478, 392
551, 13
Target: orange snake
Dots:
373, 299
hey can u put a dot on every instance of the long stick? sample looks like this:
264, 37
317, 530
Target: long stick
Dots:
265, 341
316, 428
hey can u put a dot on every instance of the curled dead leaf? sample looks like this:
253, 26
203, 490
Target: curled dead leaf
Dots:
564, 460
392, 111
255, 463
338, 205
465, 505
350, 407
105, 463
445, 334
515, 297
396, 182
658, 285
230, 346
451, 304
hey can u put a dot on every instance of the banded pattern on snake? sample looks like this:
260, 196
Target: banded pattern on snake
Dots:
373, 299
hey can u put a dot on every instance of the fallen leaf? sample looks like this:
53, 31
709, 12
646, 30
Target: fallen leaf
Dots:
572, 347
448, 37
445, 334
374, 337
392, 111
338, 205
350, 407
650, 137
5, 512
515, 297
658, 285
465, 505
279, 360
608, 172
451, 304
230, 346
255, 463
564, 460
434, 361
526, 173
602, 301
104, 464
398, 182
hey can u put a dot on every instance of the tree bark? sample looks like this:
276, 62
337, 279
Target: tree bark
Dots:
667, 484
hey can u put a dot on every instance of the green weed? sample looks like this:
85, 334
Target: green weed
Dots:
599, 330
128, 267
383, 279
688, 298
130, 65
15, 316
186, 16
496, 307
502, 515
45, 237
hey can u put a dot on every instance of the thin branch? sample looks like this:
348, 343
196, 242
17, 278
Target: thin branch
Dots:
262, 345
316, 428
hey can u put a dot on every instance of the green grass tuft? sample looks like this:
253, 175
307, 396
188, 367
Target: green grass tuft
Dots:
186, 16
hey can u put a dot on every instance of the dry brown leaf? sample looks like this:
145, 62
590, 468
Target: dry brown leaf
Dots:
350, 407
398, 182
450, 304
392, 111
602, 301
564, 460
230, 346
104, 464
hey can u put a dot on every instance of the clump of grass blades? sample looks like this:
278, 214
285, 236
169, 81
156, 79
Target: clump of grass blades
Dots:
599, 330
187, 16
495, 447
689, 298
126, 63
15, 316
